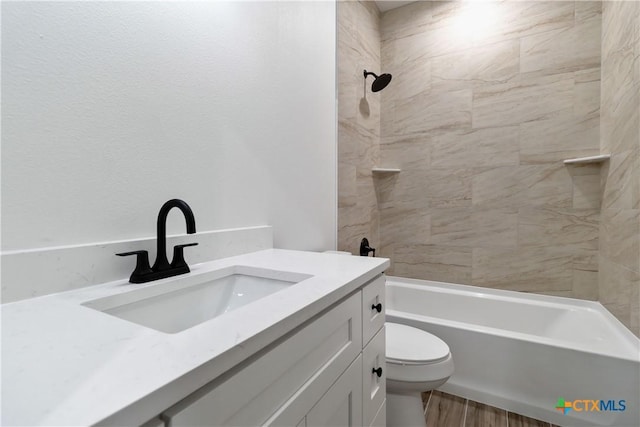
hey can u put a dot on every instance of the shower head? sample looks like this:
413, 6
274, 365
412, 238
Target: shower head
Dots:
380, 81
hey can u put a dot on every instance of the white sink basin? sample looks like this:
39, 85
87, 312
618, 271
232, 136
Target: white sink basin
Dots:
182, 302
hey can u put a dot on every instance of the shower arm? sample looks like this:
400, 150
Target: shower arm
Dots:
369, 73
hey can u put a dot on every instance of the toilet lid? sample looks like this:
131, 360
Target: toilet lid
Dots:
406, 344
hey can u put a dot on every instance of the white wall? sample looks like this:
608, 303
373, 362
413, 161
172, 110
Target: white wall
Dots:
111, 108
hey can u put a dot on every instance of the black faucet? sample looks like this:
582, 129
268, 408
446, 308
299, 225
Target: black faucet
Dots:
161, 268
365, 248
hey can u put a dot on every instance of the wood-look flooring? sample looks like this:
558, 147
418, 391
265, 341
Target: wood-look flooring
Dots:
447, 410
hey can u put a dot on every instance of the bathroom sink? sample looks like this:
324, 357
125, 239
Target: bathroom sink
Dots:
182, 302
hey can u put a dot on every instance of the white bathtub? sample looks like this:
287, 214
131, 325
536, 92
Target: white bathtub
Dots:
522, 352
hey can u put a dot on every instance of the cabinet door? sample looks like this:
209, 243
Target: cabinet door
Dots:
342, 403
373, 298
279, 386
381, 418
154, 422
374, 386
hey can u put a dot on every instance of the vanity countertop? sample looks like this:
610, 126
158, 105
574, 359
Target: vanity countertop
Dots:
67, 364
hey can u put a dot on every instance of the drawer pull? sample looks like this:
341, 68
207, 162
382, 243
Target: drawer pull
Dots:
377, 307
378, 372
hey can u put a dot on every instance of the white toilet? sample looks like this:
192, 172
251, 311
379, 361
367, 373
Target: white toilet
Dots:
416, 361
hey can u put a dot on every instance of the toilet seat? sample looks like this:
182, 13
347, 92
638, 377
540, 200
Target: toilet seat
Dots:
412, 346
415, 357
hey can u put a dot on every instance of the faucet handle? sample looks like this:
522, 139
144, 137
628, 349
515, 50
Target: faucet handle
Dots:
142, 266
178, 256
365, 248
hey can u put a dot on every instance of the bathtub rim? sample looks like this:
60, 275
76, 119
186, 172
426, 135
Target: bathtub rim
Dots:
632, 342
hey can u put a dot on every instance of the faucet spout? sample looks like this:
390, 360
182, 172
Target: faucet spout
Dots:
162, 263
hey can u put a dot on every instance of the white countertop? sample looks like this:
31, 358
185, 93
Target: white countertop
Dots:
66, 364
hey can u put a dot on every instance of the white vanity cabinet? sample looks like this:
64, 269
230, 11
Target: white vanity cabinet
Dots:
320, 374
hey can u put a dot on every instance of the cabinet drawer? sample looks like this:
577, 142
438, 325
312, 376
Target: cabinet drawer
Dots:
374, 389
321, 349
373, 297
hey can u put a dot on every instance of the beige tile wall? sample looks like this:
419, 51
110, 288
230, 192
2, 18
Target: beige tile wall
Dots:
619, 277
358, 123
479, 120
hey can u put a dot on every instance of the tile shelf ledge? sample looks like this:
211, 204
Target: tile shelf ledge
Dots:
591, 159
385, 170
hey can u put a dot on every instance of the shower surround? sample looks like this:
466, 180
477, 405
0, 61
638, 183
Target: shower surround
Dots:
358, 123
620, 136
487, 100
479, 120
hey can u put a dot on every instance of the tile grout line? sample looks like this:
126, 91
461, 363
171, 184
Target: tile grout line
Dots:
464, 417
